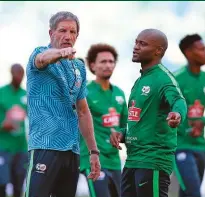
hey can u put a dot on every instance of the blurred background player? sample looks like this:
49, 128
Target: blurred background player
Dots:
109, 111
190, 155
13, 143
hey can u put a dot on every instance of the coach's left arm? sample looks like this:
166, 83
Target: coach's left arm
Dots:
86, 128
86, 123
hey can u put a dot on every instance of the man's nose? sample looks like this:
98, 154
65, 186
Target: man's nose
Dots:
137, 47
109, 64
67, 36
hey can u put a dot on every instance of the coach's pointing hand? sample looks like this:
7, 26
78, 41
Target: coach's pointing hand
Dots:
95, 167
174, 119
68, 52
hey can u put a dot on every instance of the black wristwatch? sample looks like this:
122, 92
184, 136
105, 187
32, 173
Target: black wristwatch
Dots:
97, 152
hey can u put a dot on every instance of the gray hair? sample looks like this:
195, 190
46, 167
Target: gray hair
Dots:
62, 16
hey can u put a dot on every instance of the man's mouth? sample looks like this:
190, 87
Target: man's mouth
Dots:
67, 44
135, 53
107, 71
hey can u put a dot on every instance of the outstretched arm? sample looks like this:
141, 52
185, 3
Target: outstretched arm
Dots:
53, 55
172, 95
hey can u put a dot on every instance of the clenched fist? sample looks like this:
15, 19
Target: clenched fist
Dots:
174, 119
68, 52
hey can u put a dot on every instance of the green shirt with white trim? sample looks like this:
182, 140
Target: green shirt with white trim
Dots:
193, 89
109, 110
150, 142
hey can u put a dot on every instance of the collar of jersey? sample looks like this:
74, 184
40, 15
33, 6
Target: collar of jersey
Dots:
191, 73
49, 45
98, 86
149, 69
13, 89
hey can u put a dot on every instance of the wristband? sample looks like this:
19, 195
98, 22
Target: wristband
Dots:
97, 152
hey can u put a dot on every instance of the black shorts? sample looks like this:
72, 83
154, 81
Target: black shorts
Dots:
107, 185
52, 172
144, 183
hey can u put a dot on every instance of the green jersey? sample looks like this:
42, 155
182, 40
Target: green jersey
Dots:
13, 108
193, 89
150, 142
109, 110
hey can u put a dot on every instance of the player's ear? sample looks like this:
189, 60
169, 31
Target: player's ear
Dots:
50, 33
92, 67
188, 53
159, 51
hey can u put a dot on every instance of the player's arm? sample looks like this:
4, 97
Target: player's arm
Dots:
86, 128
84, 115
2, 114
173, 96
86, 124
179, 78
5, 125
53, 55
117, 137
123, 120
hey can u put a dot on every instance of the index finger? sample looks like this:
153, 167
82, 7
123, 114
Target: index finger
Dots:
73, 51
168, 118
97, 173
174, 120
93, 167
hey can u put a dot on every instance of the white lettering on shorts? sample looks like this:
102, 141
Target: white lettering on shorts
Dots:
2, 161
102, 176
181, 156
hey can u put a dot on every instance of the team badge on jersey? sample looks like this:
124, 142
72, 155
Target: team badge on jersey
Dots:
102, 176
134, 112
145, 90
78, 78
77, 72
196, 110
119, 99
111, 119
24, 100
